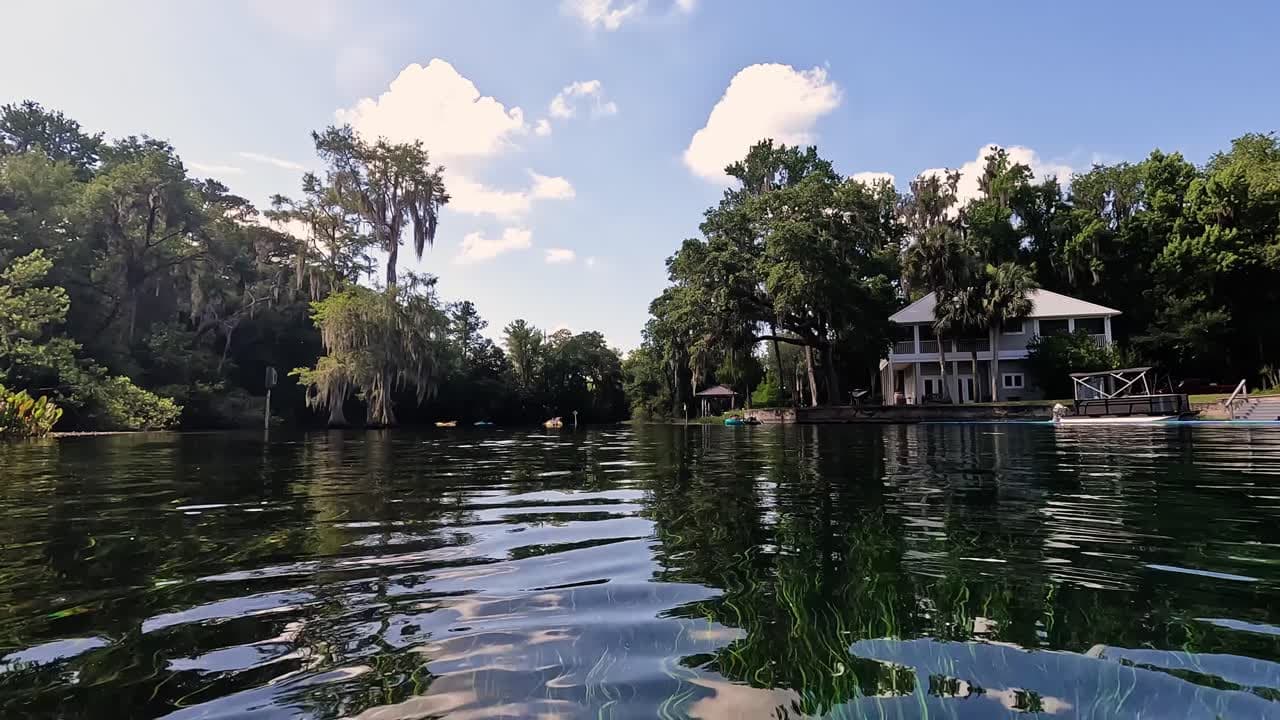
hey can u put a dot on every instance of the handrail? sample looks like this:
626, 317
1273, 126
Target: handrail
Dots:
1231, 401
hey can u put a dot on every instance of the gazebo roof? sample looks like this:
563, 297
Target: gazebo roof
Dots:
717, 391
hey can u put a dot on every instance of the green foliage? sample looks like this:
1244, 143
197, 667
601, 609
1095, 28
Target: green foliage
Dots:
768, 394
24, 416
1052, 358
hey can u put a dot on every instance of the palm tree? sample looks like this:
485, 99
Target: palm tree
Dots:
939, 262
961, 310
1007, 299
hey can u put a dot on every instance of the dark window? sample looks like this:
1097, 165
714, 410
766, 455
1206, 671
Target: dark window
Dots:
1014, 327
1093, 326
1054, 327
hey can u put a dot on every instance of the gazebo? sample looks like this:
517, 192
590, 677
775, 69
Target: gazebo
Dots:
717, 396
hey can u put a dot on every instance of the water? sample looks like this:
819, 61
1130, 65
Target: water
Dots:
882, 571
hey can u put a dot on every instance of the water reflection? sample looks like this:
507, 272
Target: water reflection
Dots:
895, 571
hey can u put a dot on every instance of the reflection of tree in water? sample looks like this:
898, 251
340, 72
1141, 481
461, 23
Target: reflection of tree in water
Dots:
845, 539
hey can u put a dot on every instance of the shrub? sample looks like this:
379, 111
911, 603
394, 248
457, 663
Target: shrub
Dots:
24, 416
768, 394
1052, 358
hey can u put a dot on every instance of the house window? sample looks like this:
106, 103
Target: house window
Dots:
1054, 327
1014, 327
1013, 381
932, 386
1093, 326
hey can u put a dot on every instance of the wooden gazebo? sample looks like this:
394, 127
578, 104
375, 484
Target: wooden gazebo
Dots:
715, 397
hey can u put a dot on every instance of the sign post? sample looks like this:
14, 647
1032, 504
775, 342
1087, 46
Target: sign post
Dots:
271, 380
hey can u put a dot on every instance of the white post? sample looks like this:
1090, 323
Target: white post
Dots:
915, 336
1106, 328
266, 417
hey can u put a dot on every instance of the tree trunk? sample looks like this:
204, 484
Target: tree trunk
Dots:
973, 363
392, 252
813, 379
995, 365
942, 365
337, 418
777, 354
833, 381
226, 348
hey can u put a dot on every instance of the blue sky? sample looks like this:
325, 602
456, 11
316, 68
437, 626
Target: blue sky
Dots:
566, 221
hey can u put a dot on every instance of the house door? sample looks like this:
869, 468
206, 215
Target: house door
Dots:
966, 389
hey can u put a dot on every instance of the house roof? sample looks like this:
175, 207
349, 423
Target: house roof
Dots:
716, 391
1044, 304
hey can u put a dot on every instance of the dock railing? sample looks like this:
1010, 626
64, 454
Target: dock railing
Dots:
1239, 395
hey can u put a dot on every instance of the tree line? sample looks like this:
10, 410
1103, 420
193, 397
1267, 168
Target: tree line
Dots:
134, 295
790, 284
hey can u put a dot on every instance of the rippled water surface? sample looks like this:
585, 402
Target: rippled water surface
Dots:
879, 571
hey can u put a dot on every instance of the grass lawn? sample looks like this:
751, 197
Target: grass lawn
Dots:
1217, 397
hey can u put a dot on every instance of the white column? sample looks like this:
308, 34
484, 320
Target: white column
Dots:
1071, 325
1106, 325
915, 334
919, 381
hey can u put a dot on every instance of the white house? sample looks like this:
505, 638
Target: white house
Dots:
912, 372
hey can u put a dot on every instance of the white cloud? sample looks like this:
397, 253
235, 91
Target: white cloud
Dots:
556, 256
762, 101
551, 188
590, 261
970, 172
605, 14
564, 104
686, 6
543, 128
477, 248
440, 107
269, 160
871, 178
213, 169
473, 198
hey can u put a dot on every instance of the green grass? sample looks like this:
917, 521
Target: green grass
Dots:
1218, 397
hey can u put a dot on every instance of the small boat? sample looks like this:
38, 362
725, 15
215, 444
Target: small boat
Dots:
446, 423
1129, 420
482, 423
741, 421
553, 423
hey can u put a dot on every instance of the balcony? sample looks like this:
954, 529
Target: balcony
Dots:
971, 345
904, 347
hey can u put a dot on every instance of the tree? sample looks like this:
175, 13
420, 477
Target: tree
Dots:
28, 127
375, 343
389, 186
1052, 359
1006, 299
332, 252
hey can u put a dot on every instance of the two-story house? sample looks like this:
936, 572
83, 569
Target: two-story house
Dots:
911, 373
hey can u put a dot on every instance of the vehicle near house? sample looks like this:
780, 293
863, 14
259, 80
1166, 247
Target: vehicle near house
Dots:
912, 374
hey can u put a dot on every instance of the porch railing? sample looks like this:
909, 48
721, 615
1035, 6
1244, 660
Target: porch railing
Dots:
904, 347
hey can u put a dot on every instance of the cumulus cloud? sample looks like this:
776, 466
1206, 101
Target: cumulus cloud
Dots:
871, 178
556, 256
474, 198
565, 104
551, 188
543, 128
605, 14
686, 6
270, 160
440, 107
477, 248
762, 101
213, 169
971, 171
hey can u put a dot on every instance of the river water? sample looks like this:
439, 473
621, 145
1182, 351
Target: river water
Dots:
875, 571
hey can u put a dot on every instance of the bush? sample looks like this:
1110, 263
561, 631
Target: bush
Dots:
24, 416
1053, 358
768, 394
